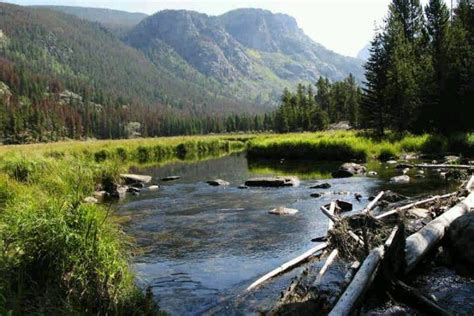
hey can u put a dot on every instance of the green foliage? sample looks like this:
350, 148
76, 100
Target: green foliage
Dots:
305, 110
59, 255
421, 69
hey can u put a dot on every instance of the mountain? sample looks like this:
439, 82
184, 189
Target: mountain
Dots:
114, 20
364, 53
249, 53
86, 57
237, 62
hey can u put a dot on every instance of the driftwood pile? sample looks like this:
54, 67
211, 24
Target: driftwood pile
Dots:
367, 251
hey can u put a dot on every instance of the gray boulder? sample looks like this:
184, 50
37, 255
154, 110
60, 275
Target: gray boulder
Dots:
349, 169
273, 182
461, 243
400, 179
321, 186
283, 211
218, 182
135, 178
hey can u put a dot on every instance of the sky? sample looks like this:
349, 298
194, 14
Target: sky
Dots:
344, 26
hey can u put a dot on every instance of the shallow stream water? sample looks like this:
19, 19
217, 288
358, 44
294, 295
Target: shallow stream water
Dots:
201, 246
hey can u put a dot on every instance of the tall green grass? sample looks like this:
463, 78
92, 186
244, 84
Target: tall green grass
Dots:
345, 146
59, 255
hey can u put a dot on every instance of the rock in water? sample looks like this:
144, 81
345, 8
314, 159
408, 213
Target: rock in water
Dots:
344, 206
461, 243
153, 187
372, 173
400, 179
273, 182
348, 170
135, 178
218, 182
283, 211
392, 197
316, 195
321, 186
170, 178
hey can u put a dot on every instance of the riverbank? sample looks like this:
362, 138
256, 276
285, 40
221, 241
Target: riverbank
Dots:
345, 146
59, 254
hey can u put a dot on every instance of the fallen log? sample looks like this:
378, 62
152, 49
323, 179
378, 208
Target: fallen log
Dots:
329, 261
368, 271
330, 214
420, 243
415, 204
444, 166
469, 184
371, 205
288, 265
360, 283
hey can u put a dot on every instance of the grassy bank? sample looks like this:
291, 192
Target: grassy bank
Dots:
59, 255
344, 146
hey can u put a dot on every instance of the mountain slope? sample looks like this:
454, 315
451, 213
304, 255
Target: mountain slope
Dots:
248, 53
85, 56
114, 20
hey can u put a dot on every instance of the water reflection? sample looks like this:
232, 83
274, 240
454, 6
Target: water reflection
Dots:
203, 244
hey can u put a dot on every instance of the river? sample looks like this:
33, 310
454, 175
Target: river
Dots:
200, 246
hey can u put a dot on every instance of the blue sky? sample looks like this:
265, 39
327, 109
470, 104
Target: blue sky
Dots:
344, 26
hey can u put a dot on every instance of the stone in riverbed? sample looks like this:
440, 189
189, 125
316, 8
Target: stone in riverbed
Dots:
170, 178
283, 211
391, 162
273, 182
344, 205
243, 187
218, 182
321, 186
135, 178
316, 195
372, 173
461, 243
153, 188
400, 179
348, 169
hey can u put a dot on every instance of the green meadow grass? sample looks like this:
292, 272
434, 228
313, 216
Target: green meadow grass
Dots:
345, 146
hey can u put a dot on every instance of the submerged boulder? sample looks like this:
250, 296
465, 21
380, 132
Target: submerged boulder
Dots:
218, 182
170, 178
349, 169
273, 182
461, 243
283, 211
321, 186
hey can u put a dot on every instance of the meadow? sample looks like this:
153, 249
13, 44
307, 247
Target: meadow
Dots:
60, 255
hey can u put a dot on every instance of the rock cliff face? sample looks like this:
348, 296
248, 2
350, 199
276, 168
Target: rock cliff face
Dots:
250, 49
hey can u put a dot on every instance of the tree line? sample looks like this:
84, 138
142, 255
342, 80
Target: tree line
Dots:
420, 74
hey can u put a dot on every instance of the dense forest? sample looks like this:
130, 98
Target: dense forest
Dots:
419, 78
420, 74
